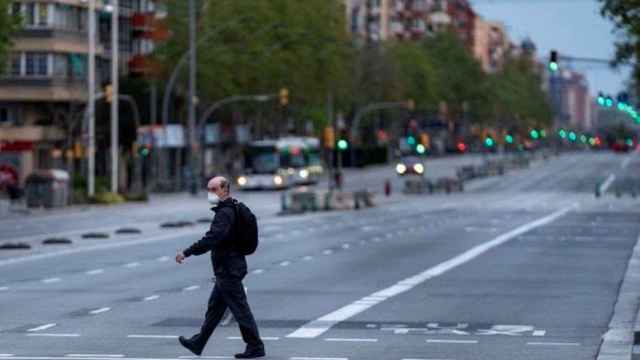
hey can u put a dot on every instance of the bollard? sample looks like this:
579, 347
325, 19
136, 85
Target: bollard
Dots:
387, 187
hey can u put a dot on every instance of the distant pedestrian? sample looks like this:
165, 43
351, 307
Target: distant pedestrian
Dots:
230, 237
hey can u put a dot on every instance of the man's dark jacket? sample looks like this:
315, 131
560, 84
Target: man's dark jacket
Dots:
226, 260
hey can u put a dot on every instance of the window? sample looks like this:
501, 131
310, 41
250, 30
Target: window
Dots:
36, 64
15, 64
60, 65
30, 16
16, 9
4, 116
43, 14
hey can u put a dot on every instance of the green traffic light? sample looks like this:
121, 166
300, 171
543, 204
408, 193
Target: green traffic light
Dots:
553, 66
508, 139
573, 136
489, 142
601, 101
583, 139
343, 144
420, 149
622, 106
608, 102
629, 142
562, 133
411, 140
144, 151
534, 134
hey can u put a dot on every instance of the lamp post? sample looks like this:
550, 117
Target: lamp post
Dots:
91, 146
114, 104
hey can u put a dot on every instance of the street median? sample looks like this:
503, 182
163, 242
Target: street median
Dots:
304, 200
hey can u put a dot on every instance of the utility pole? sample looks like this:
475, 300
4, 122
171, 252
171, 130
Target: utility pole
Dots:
116, 92
91, 106
192, 97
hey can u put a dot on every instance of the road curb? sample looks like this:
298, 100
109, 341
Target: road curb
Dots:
618, 341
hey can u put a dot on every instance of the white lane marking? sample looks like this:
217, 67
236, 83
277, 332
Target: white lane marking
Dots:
132, 265
351, 340
258, 271
191, 288
442, 341
423, 359
206, 357
43, 327
307, 258
346, 246
163, 258
151, 298
285, 263
6, 355
552, 344
268, 338
317, 358
626, 162
115, 245
318, 327
109, 358
327, 252
4, 288
95, 272
138, 336
99, 311
50, 280
53, 335
539, 333
96, 355
610, 179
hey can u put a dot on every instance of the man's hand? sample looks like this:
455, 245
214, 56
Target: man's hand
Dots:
180, 257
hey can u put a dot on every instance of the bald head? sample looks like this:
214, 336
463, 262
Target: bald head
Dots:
220, 186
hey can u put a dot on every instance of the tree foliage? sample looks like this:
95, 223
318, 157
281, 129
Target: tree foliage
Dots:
625, 15
9, 24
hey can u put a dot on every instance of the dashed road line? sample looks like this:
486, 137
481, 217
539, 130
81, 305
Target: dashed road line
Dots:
42, 327
99, 311
51, 280
53, 335
267, 338
191, 288
132, 265
539, 333
151, 298
4, 288
346, 246
327, 252
317, 358
285, 263
443, 341
95, 355
163, 258
307, 258
95, 272
552, 344
351, 340
321, 325
142, 336
258, 271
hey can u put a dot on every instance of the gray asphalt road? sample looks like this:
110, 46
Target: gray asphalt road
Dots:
524, 266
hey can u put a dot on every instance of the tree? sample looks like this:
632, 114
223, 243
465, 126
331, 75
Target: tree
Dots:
625, 15
9, 24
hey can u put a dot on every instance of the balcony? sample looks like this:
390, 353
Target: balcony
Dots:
148, 26
42, 89
53, 40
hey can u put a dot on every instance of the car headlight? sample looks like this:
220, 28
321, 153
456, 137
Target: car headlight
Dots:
304, 173
242, 181
401, 168
419, 168
291, 171
278, 180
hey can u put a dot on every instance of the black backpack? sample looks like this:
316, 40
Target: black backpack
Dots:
246, 229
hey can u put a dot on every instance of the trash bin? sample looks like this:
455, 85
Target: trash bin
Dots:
47, 188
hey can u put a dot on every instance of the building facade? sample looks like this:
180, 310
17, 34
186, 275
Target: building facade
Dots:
43, 91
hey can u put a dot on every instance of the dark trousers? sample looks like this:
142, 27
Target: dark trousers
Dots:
228, 293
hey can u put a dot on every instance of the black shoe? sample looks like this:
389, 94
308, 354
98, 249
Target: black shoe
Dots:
251, 354
189, 345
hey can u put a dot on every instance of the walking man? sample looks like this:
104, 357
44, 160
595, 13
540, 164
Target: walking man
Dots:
229, 267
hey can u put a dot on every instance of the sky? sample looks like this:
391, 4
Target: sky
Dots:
572, 27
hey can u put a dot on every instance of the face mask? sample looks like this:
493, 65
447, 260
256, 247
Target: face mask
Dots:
213, 198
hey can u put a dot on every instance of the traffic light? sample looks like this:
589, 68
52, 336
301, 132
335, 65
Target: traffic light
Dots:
108, 93
411, 140
489, 142
608, 102
601, 99
329, 137
144, 150
284, 97
553, 61
623, 101
572, 136
562, 133
343, 144
509, 139
425, 140
421, 149
535, 135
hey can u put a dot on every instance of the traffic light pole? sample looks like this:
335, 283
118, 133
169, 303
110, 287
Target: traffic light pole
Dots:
91, 106
193, 145
114, 104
